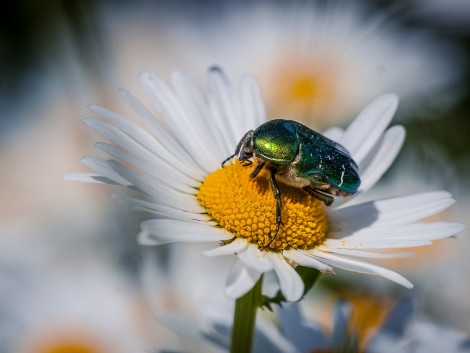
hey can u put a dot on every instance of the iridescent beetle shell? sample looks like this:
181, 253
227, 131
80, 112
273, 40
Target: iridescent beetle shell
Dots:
310, 154
301, 157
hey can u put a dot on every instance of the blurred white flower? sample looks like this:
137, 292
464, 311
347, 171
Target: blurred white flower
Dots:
401, 331
58, 302
318, 62
179, 169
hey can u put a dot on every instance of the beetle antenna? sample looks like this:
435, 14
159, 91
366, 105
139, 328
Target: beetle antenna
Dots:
226, 160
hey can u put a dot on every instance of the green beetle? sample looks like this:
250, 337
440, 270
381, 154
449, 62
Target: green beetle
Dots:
300, 157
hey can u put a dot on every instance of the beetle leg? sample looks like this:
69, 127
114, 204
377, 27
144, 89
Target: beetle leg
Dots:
247, 163
226, 242
326, 199
277, 194
226, 160
254, 173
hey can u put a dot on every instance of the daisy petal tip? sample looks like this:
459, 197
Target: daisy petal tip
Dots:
123, 93
290, 282
144, 239
86, 159
144, 74
240, 280
391, 99
400, 133
91, 107
215, 68
69, 177
236, 291
328, 272
457, 228
399, 279
443, 194
296, 296
88, 121
409, 285
146, 77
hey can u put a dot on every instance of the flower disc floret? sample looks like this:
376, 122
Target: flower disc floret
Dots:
246, 207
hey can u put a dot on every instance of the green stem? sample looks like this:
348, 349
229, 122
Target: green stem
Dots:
243, 329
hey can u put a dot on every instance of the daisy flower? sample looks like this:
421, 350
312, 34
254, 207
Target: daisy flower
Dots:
175, 161
401, 331
320, 62
53, 305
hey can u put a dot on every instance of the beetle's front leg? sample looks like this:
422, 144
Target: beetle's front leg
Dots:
277, 194
226, 160
257, 169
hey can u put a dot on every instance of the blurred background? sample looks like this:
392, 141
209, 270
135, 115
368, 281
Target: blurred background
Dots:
71, 274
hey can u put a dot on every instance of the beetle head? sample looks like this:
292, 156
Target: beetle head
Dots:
246, 147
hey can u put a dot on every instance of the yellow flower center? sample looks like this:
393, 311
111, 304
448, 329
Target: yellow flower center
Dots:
71, 348
247, 208
64, 342
310, 88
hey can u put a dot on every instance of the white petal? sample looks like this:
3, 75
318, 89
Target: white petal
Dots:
273, 340
303, 258
136, 140
172, 212
252, 103
290, 282
368, 254
340, 337
367, 128
179, 122
256, 259
374, 243
133, 131
334, 133
393, 211
270, 284
137, 148
417, 231
144, 238
240, 280
168, 230
189, 331
195, 103
88, 178
160, 192
169, 149
236, 246
225, 105
386, 154
101, 167
158, 169
374, 167
362, 267
119, 138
